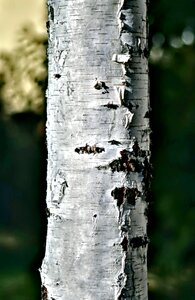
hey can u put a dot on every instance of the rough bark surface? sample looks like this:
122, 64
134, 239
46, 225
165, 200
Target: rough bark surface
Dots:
98, 151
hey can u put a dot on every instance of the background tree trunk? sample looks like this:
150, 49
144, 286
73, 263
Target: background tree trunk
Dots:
98, 151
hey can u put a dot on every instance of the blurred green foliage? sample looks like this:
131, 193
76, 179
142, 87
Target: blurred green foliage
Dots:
23, 80
172, 220
23, 73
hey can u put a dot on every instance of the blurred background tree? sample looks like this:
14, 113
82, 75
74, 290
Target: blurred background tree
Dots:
23, 79
24, 73
172, 221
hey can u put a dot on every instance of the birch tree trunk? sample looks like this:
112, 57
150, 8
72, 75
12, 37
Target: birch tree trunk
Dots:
98, 151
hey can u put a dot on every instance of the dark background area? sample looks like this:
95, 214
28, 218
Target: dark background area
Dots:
172, 213
171, 258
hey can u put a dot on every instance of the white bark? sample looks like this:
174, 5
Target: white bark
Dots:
98, 151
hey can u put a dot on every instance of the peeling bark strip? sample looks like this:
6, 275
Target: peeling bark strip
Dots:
96, 196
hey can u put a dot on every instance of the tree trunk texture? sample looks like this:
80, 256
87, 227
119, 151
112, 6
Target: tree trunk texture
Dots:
98, 151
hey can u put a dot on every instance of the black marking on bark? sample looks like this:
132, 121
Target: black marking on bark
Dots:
89, 149
132, 195
126, 163
51, 12
131, 106
124, 228
119, 165
57, 76
44, 293
139, 241
48, 214
114, 142
130, 161
111, 105
125, 243
119, 195
146, 172
123, 194
57, 217
122, 17
136, 148
47, 26
99, 85
95, 215
137, 152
